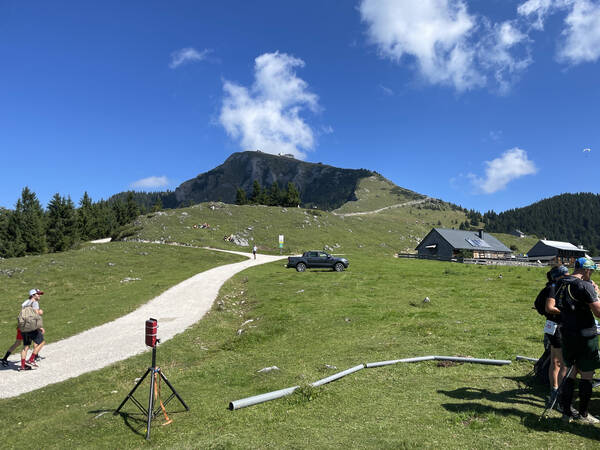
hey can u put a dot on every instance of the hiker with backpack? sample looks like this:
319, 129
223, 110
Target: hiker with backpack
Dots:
547, 305
578, 296
19, 339
31, 326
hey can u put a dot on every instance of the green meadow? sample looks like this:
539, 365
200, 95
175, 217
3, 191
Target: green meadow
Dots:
311, 325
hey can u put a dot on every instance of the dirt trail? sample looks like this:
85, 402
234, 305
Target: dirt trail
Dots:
176, 309
399, 205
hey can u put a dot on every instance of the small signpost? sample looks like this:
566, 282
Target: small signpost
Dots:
280, 243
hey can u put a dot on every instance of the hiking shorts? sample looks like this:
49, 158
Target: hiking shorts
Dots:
554, 339
35, 336
581, 351
19, 335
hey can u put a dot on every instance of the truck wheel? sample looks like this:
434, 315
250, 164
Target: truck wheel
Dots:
338, 267
300, 267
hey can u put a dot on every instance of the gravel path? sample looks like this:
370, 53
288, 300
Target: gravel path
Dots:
399, 205
124, 337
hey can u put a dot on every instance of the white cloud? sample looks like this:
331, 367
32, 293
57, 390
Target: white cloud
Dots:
496, 56
186, 55
267, 116
582, 33
434, 32
386, 90
449, 45
150, 183
512, 164
540, 9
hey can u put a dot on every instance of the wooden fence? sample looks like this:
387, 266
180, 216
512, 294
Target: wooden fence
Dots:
482, 261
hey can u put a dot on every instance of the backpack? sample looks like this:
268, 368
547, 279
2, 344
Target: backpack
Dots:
540, 368
540, 302
29, 320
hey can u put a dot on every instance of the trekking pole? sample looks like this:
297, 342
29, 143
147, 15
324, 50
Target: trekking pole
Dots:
558, 391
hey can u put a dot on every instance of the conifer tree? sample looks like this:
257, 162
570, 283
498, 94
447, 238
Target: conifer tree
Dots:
274, 197
120, 212
292, 195
132, 210
240, 197
85, 217
257, 193
14, 245
30, 221
105, 219
61, 229
157, 205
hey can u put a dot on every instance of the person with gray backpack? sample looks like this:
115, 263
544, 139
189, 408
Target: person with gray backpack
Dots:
32, 328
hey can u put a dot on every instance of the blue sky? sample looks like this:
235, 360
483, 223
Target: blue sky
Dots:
490, 104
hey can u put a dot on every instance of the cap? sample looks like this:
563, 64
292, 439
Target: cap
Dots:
585, 263
557, 272
35, 291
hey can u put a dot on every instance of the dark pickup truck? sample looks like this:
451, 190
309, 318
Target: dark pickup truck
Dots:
317, 260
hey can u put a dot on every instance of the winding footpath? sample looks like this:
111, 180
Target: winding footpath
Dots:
176, 309
399, 205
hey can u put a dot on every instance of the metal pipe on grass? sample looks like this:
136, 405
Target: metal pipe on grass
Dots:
337, 376
525, 358
261, 398
396, 361
493, 362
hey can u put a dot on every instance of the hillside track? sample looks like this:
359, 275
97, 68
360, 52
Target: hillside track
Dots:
398, 205
176, 309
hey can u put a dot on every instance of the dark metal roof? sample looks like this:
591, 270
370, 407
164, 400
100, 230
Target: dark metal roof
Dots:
459, 239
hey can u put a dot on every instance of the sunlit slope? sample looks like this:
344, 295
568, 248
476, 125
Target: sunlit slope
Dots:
390, 231
376, 192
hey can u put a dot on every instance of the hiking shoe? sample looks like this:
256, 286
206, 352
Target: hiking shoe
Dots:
4, 362
574, 413
566, 418
589, 419
25, 367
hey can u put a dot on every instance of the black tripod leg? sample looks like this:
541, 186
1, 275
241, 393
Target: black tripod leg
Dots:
558, 391
187, 408
132, 391
150, 402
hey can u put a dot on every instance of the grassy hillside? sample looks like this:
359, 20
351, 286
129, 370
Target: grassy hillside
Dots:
306, 323
388, 232
376, 192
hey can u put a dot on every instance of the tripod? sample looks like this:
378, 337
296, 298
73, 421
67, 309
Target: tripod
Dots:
154, 372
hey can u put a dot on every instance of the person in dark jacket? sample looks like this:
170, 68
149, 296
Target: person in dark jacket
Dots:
557, 368
578, 296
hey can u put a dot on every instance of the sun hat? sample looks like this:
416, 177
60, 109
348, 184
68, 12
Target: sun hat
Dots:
557, 272
585, 263
35, 291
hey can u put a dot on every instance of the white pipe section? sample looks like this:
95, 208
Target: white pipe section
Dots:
493, 362
337, 376
525, 358
261, 398
395, 361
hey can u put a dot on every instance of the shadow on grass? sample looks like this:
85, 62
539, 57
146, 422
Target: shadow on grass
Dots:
527, 394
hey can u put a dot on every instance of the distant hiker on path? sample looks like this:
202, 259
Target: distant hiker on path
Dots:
36, 336
254, 251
